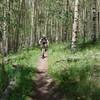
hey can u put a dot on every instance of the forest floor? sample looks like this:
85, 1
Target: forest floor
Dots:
45, 86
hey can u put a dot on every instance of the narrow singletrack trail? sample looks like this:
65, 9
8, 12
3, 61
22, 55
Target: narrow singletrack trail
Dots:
45, 87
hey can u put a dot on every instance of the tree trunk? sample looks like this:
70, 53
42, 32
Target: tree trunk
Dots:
94, 21
5, 39
32, 23
75, 26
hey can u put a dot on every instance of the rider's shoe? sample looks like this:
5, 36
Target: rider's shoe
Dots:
42, 57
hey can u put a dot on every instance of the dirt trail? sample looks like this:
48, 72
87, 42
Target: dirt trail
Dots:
45, 89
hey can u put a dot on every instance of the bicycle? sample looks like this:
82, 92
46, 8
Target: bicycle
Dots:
43, 53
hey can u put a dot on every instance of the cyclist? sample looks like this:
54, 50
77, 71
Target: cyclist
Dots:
44, 43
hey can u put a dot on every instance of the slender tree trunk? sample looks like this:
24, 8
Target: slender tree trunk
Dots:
5, 39
32, 23
4, 47
51, 32
75, 26
94, 11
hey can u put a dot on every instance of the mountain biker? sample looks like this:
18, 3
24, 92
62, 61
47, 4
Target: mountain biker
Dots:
44, 43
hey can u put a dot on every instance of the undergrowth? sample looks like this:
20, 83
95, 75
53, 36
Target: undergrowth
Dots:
76, 75
22, 68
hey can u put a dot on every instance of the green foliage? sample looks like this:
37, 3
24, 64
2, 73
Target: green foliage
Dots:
23, 74
25, 84
75, 73
3, 79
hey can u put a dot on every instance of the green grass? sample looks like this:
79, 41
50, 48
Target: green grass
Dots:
24, 74
77, 75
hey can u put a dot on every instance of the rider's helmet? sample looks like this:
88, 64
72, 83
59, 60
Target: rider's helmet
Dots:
43, 36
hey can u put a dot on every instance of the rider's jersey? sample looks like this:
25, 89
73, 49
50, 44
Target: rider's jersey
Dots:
43, 41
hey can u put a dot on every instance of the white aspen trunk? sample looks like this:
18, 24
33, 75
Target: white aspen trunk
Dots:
75, 25
61, 31
32, 23
94, 21
57, 32
51, 38
5, 39
46, 14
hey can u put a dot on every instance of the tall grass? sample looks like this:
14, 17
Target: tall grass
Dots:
77, 75
23, 74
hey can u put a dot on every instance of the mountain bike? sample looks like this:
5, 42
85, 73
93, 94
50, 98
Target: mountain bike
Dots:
43, 53
44, 49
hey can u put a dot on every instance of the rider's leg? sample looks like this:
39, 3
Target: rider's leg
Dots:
43, 51
46, 47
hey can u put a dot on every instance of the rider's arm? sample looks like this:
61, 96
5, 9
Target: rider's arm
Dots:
40, 41
47, 42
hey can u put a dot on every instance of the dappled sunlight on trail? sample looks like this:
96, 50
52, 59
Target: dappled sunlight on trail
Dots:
45, 86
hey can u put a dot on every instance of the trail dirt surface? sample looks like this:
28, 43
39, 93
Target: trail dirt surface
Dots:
45, 87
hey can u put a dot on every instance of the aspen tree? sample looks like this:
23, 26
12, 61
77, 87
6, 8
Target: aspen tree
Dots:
75, 26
